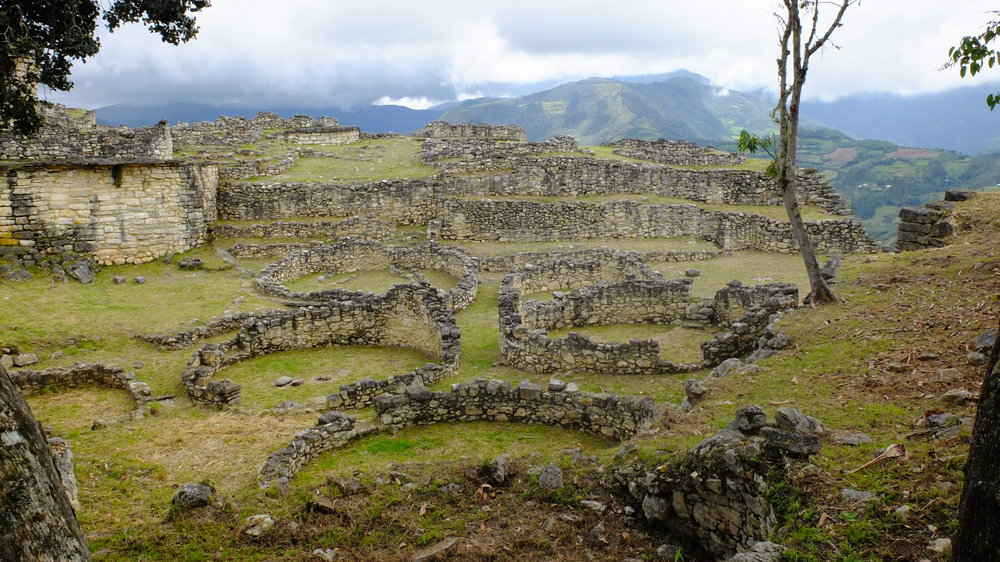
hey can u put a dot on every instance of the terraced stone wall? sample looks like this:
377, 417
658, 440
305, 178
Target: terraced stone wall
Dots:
610, 416
353, 255
119, 213
677, 153
411, 316
333, 431
490, 153
504, 264
369, 228
524, 221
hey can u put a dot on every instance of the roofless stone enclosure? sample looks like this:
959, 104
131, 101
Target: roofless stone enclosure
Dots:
414, 316
353, 255
610, 416
82, 375
627, 292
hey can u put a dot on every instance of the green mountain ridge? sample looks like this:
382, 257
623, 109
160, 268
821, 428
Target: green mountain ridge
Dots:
876, 177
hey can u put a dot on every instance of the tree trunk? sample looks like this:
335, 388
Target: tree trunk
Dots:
820, 292
37, 522
978, 538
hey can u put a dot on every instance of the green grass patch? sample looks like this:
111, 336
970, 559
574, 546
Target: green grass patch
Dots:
678, 344
751, 268
362, 161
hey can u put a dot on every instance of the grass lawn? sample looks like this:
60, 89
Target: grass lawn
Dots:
751, 268
362, 161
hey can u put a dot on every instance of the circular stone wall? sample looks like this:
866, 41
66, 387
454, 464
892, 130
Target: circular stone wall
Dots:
353, 255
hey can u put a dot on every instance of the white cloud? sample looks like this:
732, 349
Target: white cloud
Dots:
314, 52
413, 103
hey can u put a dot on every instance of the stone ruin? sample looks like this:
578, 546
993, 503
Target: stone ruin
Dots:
351, 255
445, 130
929, 226
676, 153
86, 375
413, 316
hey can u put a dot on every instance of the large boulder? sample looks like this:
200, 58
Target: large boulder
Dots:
191, 496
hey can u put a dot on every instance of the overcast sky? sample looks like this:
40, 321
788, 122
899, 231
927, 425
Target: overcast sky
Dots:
336, 52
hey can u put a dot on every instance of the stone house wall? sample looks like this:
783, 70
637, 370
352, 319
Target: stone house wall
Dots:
61, 140
675, 152
83, 375
322, 135
368, 228
350, 255
610, 416
365, 320
120, 213
445, 130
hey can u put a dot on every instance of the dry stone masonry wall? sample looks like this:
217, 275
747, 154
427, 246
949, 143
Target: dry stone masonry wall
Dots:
368, 228
610, 416
479, 153
83, 375
525, 220
929, 226
322, 135
748, 313
676, 153
351, 255
445, 130
120, 213
68, 139
414, 316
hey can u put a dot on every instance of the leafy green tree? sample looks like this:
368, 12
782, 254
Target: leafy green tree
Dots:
42, 38
975, 53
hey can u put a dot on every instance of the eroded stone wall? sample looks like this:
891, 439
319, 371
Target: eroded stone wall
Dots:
610, 416
123, 213
487, 152
83, 375
368, 228
526, 220
445, 130
675, 152
413, 316
351, 255
69, 141
322, 135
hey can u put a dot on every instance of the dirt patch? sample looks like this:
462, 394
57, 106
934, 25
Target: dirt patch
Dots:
913, 154
842, 155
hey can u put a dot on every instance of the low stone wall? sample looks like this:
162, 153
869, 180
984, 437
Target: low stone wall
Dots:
748, 313
215, 327
925, 227
268, 251
610, 416
525, 344
445, 130
83, 375
234, 131
505, 264
353, 255
525, 220
119, 213
675, 152
333, 431
322, 135
414, 316
61, 141
489, 153
368, 228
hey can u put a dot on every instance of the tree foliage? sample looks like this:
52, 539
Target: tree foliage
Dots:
42, 38
975, 53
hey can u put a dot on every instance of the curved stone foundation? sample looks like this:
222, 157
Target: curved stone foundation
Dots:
353, 255
333, 431
414, 316
215, 327
86, 374
610, 416
748, 313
